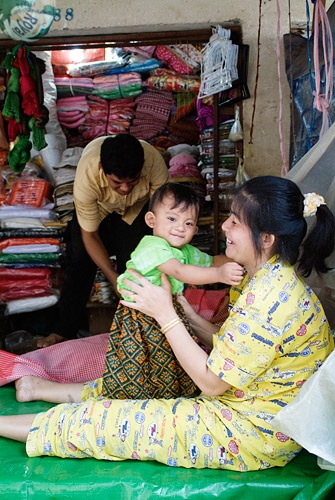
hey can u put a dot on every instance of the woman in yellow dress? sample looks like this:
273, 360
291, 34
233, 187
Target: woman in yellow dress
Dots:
275, 338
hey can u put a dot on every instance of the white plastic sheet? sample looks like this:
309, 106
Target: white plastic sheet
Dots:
309, 419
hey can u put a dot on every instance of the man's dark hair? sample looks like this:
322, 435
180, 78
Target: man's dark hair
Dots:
122, 155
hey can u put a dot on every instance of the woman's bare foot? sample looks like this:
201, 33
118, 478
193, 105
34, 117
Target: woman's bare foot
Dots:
32, 388
29, 388
51, 339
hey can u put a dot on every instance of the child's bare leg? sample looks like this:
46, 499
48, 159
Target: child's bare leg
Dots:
16, 427
32, 388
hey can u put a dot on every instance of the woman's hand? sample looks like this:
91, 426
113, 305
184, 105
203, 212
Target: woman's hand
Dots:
190, 313
153, 300
202, 328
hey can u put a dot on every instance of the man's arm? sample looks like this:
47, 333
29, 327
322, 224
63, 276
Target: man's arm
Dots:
98, 253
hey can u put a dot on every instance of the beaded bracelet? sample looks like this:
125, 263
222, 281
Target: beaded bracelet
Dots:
170, 325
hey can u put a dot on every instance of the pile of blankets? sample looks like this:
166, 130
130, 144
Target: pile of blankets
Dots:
106, 117
30, 247
102, 107
29, 259
71, 87
153, 109
136, 92
118, 86
71, 111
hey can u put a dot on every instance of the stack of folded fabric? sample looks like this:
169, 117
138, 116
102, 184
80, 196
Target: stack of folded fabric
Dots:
71, 111
30, 247
26, 282
227, 148
70, 87
121, 114
220, 182
107, 117
152, 113
27, 204
91, 69
165, 79
183, 167
63, 175
138, 64
185, 59
117, 86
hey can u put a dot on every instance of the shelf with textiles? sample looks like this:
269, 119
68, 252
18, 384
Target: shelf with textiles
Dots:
211, 217
219, 161
220, 110
189, 132
224, 103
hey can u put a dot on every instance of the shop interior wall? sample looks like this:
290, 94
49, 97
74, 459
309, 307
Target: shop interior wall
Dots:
95, 17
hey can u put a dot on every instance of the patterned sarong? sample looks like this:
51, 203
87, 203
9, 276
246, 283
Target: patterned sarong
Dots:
140, 363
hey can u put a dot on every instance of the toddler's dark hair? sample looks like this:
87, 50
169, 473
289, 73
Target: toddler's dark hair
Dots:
184, 196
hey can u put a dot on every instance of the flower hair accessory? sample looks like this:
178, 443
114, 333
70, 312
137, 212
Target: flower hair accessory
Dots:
311, 203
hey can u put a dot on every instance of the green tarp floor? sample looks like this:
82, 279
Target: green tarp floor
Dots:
88, 479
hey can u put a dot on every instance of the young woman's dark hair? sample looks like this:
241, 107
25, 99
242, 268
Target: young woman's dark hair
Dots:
184, 196
275, 205
122, 155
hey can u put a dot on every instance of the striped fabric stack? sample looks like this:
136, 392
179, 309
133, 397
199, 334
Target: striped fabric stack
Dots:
153, 109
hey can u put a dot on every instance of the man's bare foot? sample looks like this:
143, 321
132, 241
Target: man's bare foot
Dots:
51, 339
27, 388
